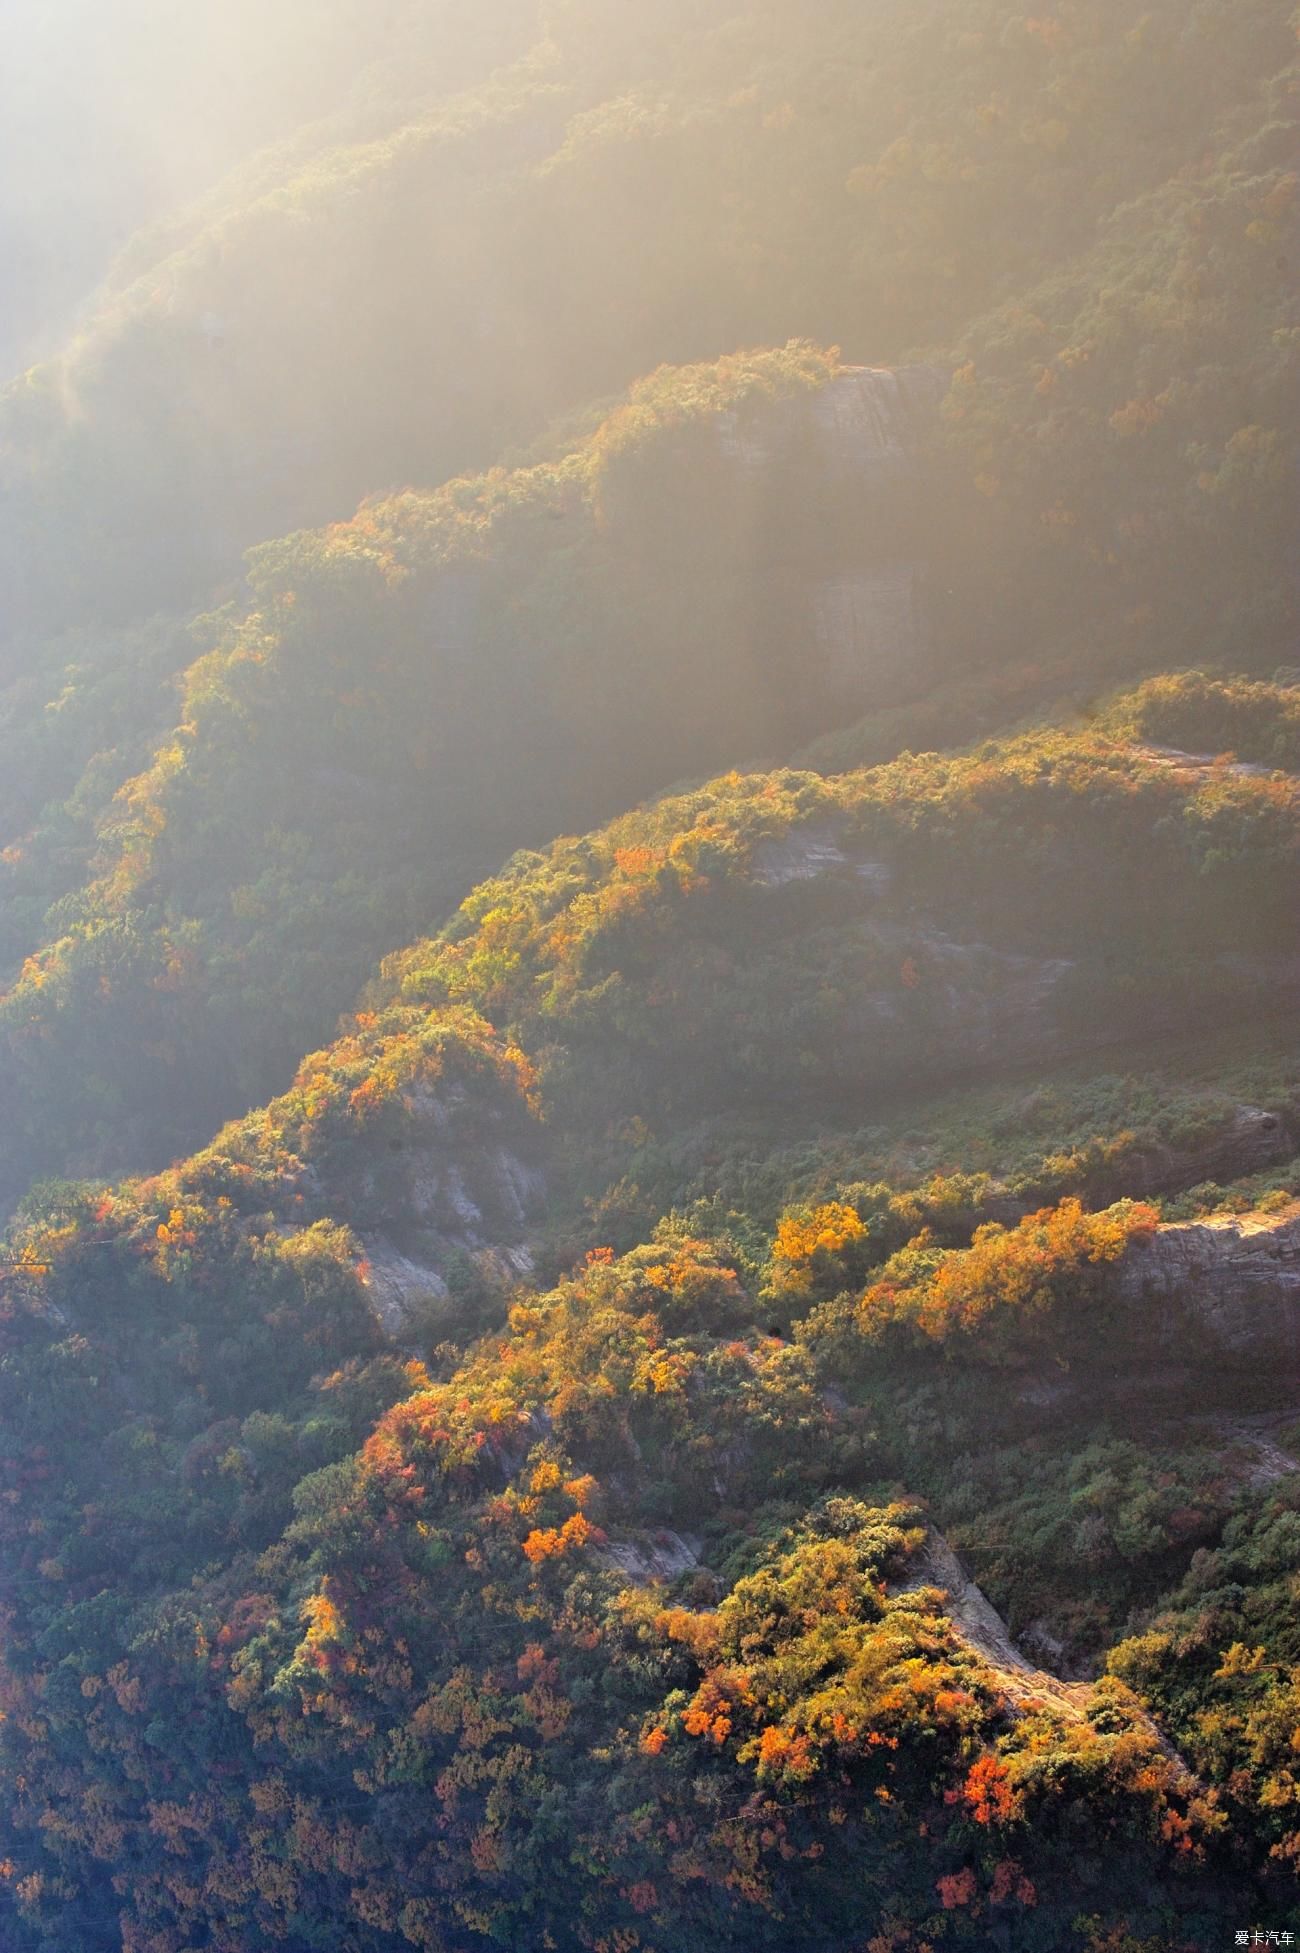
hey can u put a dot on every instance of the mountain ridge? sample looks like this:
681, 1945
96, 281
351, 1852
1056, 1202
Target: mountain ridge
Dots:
649, 1088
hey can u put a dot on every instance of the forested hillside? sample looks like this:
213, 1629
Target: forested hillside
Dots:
649, 878
1097, 206
614, 1113
414, 693
118, 121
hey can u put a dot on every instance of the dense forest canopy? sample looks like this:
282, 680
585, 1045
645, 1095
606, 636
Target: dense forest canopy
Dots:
649, 878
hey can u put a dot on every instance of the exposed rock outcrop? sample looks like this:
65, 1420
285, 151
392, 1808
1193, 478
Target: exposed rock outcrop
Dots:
972, 997
980, 1625
1234, 1279
835, 525
1198, 766
459, 1182
872, 419
402, 1292
660, 1555
1247, 1142
868, 615
869, 619
800, 856
867, 424
460, 1167
1252, 1440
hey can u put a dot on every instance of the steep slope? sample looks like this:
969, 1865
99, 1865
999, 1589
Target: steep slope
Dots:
792, 948
735, 555
295, 1591
1139, 408
769, 937
115, 118
702, 179
748, 1394
1107, 490
444, 1620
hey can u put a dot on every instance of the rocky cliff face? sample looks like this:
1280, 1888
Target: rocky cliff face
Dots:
875, 420
1251, 1141
868, 425
870, 620
1233, 1280
833, 485
460, 1186
868, 609
979, 1624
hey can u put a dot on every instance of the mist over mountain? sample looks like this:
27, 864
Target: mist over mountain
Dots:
119, 115
649, 898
